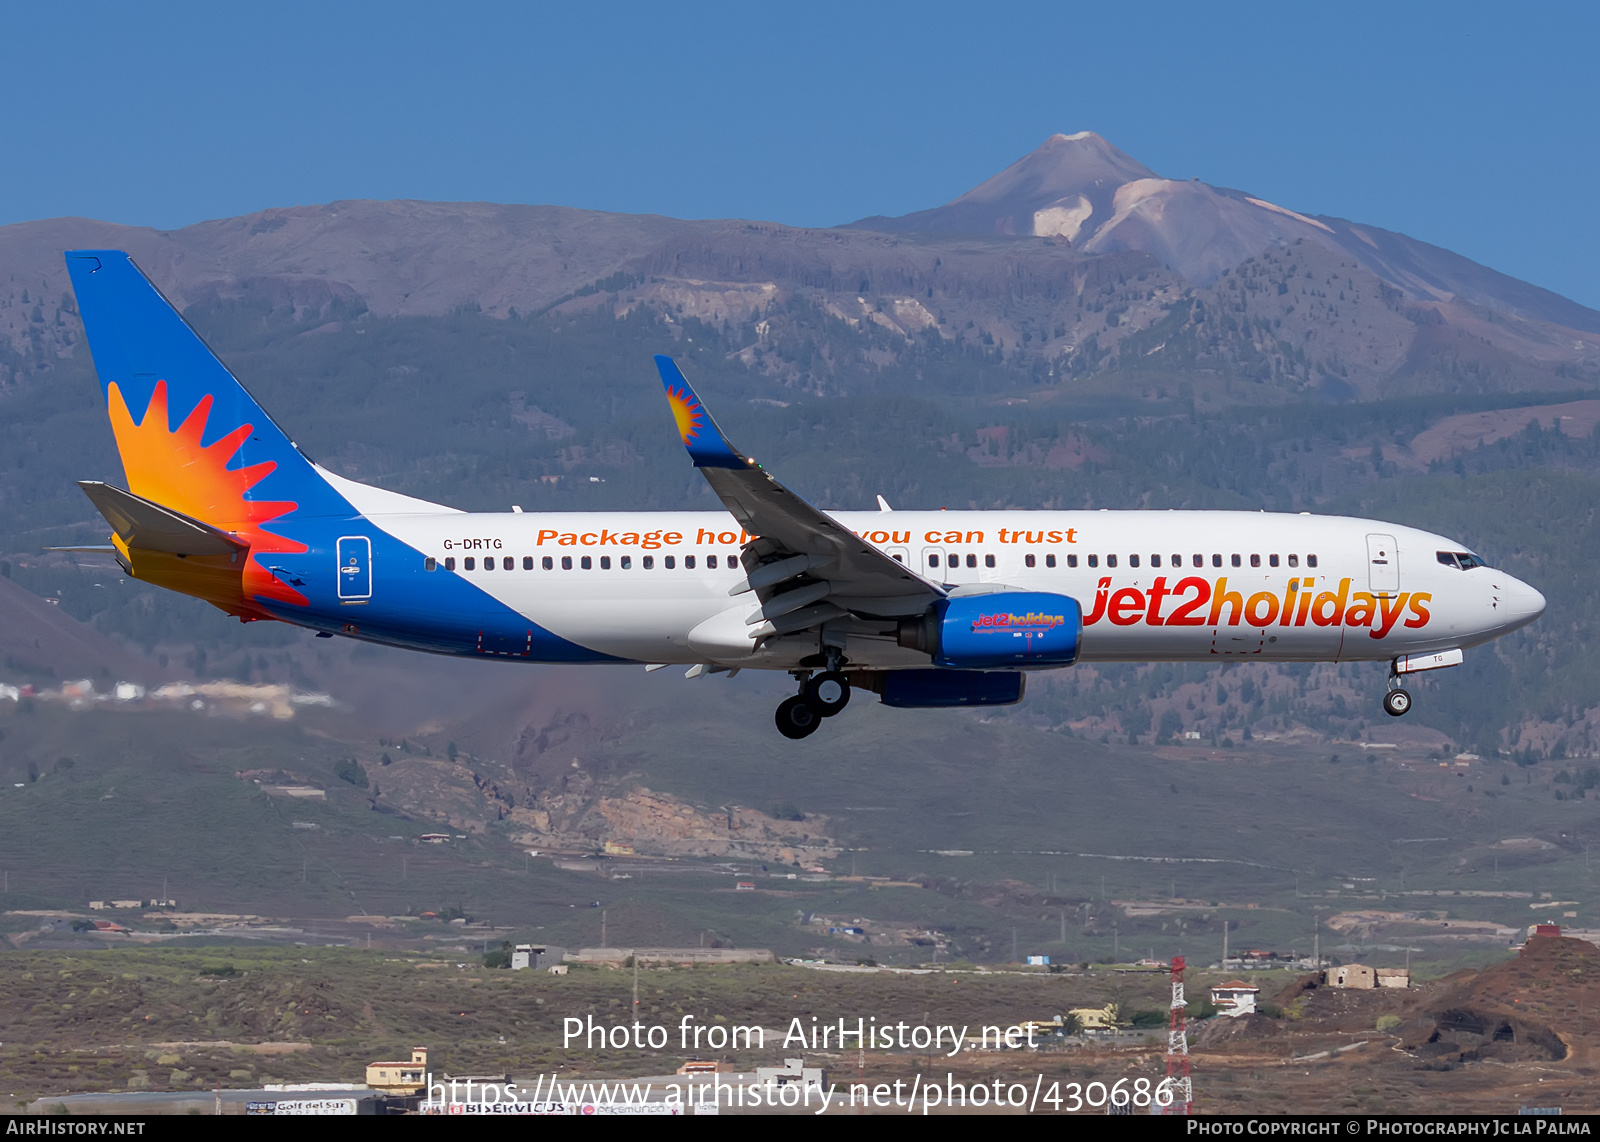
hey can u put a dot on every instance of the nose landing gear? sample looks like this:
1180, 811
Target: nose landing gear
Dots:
821, 696
1397, 702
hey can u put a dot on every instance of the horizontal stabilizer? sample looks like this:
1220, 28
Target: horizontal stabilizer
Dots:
148, 526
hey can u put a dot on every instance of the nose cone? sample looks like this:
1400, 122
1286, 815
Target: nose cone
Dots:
1518, 603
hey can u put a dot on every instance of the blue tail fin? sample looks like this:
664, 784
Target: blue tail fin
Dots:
190, 436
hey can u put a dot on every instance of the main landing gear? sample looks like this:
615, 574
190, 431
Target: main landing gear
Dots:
821, 696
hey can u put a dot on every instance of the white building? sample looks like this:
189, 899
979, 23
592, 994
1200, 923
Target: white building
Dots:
525, 956
1235, 998
793, 1071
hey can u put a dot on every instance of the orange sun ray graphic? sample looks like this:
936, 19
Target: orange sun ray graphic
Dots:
686, 412
171, 467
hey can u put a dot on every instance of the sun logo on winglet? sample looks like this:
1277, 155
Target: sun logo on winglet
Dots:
688, 414
171, 467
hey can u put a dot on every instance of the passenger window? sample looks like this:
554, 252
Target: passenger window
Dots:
972, 560
1050, 560
711, 562
586, 563
988, 560
649, 562
430, 564
1272, 561
547, 563
1111, 560
1216, 560
510, 564
626, 562
1255, 561
898, 558
1311, 560
605, 563
733, 561
527, 563
1094, 561
1155, 561
1133, 561
566, 563
1028, 559
670, 561
1294, 561
1072, 560
1236, 561
469, 563
1199, 560
1177, 561
450, 563
933, 560
688, 562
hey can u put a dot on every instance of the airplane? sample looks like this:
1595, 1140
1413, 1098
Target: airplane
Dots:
922, 608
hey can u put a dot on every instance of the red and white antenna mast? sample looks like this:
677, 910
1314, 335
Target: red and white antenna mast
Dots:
1178, 1084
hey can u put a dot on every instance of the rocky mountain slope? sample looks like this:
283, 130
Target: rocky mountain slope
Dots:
1075, 263
1081, 188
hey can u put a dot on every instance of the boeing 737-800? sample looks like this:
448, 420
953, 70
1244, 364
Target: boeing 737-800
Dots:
924, 608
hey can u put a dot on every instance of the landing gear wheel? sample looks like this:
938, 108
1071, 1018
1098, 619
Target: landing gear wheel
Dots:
828, 692
1396, 703
797, 718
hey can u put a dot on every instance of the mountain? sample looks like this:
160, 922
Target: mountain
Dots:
1081, 188
1077, 265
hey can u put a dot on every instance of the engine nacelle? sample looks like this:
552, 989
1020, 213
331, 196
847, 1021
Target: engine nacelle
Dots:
1006, 629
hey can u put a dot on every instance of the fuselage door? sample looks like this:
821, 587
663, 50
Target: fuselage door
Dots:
355, 567
1383, 565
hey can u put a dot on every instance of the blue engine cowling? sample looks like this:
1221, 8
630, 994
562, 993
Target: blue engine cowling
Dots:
1008, 629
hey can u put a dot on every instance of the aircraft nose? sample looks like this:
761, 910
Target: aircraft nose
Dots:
1520, 603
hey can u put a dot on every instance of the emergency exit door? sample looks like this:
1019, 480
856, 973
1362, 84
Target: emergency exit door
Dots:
355, 567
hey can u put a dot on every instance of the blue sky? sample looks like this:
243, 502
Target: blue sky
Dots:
1473, 126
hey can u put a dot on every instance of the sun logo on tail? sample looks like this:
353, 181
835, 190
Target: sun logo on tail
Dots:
687, 412
171, 467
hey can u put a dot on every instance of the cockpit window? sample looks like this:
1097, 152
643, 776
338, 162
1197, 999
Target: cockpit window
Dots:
1464, 560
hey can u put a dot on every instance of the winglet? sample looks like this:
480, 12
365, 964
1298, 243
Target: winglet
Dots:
708, 448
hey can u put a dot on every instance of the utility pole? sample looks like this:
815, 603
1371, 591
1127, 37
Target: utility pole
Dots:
603, 943
633, 954
1224, 945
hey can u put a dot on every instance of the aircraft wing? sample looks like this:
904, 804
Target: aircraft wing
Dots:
804, 566
147, 525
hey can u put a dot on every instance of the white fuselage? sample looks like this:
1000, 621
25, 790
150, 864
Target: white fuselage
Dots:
1153, 585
